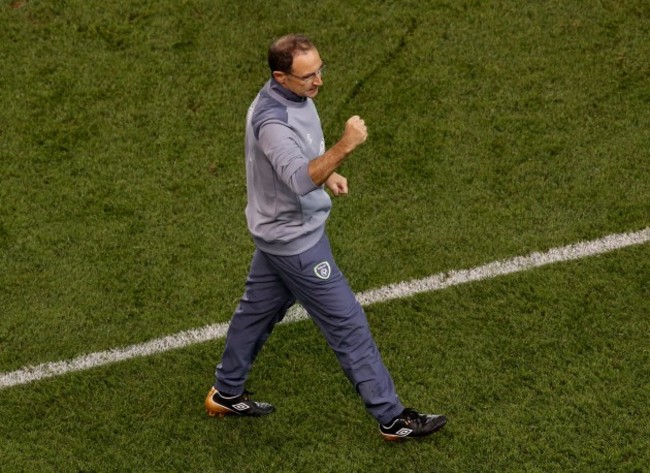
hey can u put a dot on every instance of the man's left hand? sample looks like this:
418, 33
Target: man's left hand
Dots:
337, 184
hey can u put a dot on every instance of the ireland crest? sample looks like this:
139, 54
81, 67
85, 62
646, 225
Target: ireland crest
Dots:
323, 270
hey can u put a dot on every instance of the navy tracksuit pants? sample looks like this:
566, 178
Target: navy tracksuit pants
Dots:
273, 285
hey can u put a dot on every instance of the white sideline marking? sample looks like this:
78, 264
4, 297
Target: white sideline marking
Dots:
297, 313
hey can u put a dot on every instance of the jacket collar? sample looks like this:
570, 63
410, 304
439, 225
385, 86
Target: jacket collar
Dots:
284, 92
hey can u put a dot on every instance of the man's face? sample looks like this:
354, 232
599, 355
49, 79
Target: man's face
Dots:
305, 78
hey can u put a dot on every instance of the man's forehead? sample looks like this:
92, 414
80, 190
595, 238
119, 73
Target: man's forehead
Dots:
306, 60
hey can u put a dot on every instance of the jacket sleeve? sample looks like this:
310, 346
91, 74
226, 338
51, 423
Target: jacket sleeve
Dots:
280, 145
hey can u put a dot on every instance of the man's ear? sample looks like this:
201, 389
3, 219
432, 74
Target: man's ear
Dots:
280, 77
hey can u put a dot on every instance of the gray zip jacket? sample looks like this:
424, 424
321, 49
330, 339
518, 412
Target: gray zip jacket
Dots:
286, 211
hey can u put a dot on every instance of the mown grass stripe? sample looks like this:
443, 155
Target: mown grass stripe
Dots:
394, 291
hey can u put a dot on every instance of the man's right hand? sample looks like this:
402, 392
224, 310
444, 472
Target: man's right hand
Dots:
355, 132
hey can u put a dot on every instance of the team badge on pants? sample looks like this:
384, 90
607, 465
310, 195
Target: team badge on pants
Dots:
323, 270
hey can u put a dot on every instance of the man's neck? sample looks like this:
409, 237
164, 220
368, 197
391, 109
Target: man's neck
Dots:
286, 93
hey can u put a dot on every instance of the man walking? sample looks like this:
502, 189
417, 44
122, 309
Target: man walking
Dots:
287, 168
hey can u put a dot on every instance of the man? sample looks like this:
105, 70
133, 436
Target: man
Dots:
287, 168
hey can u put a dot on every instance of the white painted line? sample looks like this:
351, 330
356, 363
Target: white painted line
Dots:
500, 268
394, 291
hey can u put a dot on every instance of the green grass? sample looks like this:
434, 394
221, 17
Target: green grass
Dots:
533, 379
497, 128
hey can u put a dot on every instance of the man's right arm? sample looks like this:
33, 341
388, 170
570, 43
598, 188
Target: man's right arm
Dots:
322, 167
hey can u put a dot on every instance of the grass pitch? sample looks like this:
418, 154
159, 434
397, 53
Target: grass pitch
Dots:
496, 128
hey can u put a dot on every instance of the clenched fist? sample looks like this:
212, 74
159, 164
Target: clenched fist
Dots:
355, 132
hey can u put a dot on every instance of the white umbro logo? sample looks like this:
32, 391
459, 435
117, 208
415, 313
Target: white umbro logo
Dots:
403, 432
241, 406
323, 270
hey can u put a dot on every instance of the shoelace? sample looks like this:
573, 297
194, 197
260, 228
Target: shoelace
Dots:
411, 415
